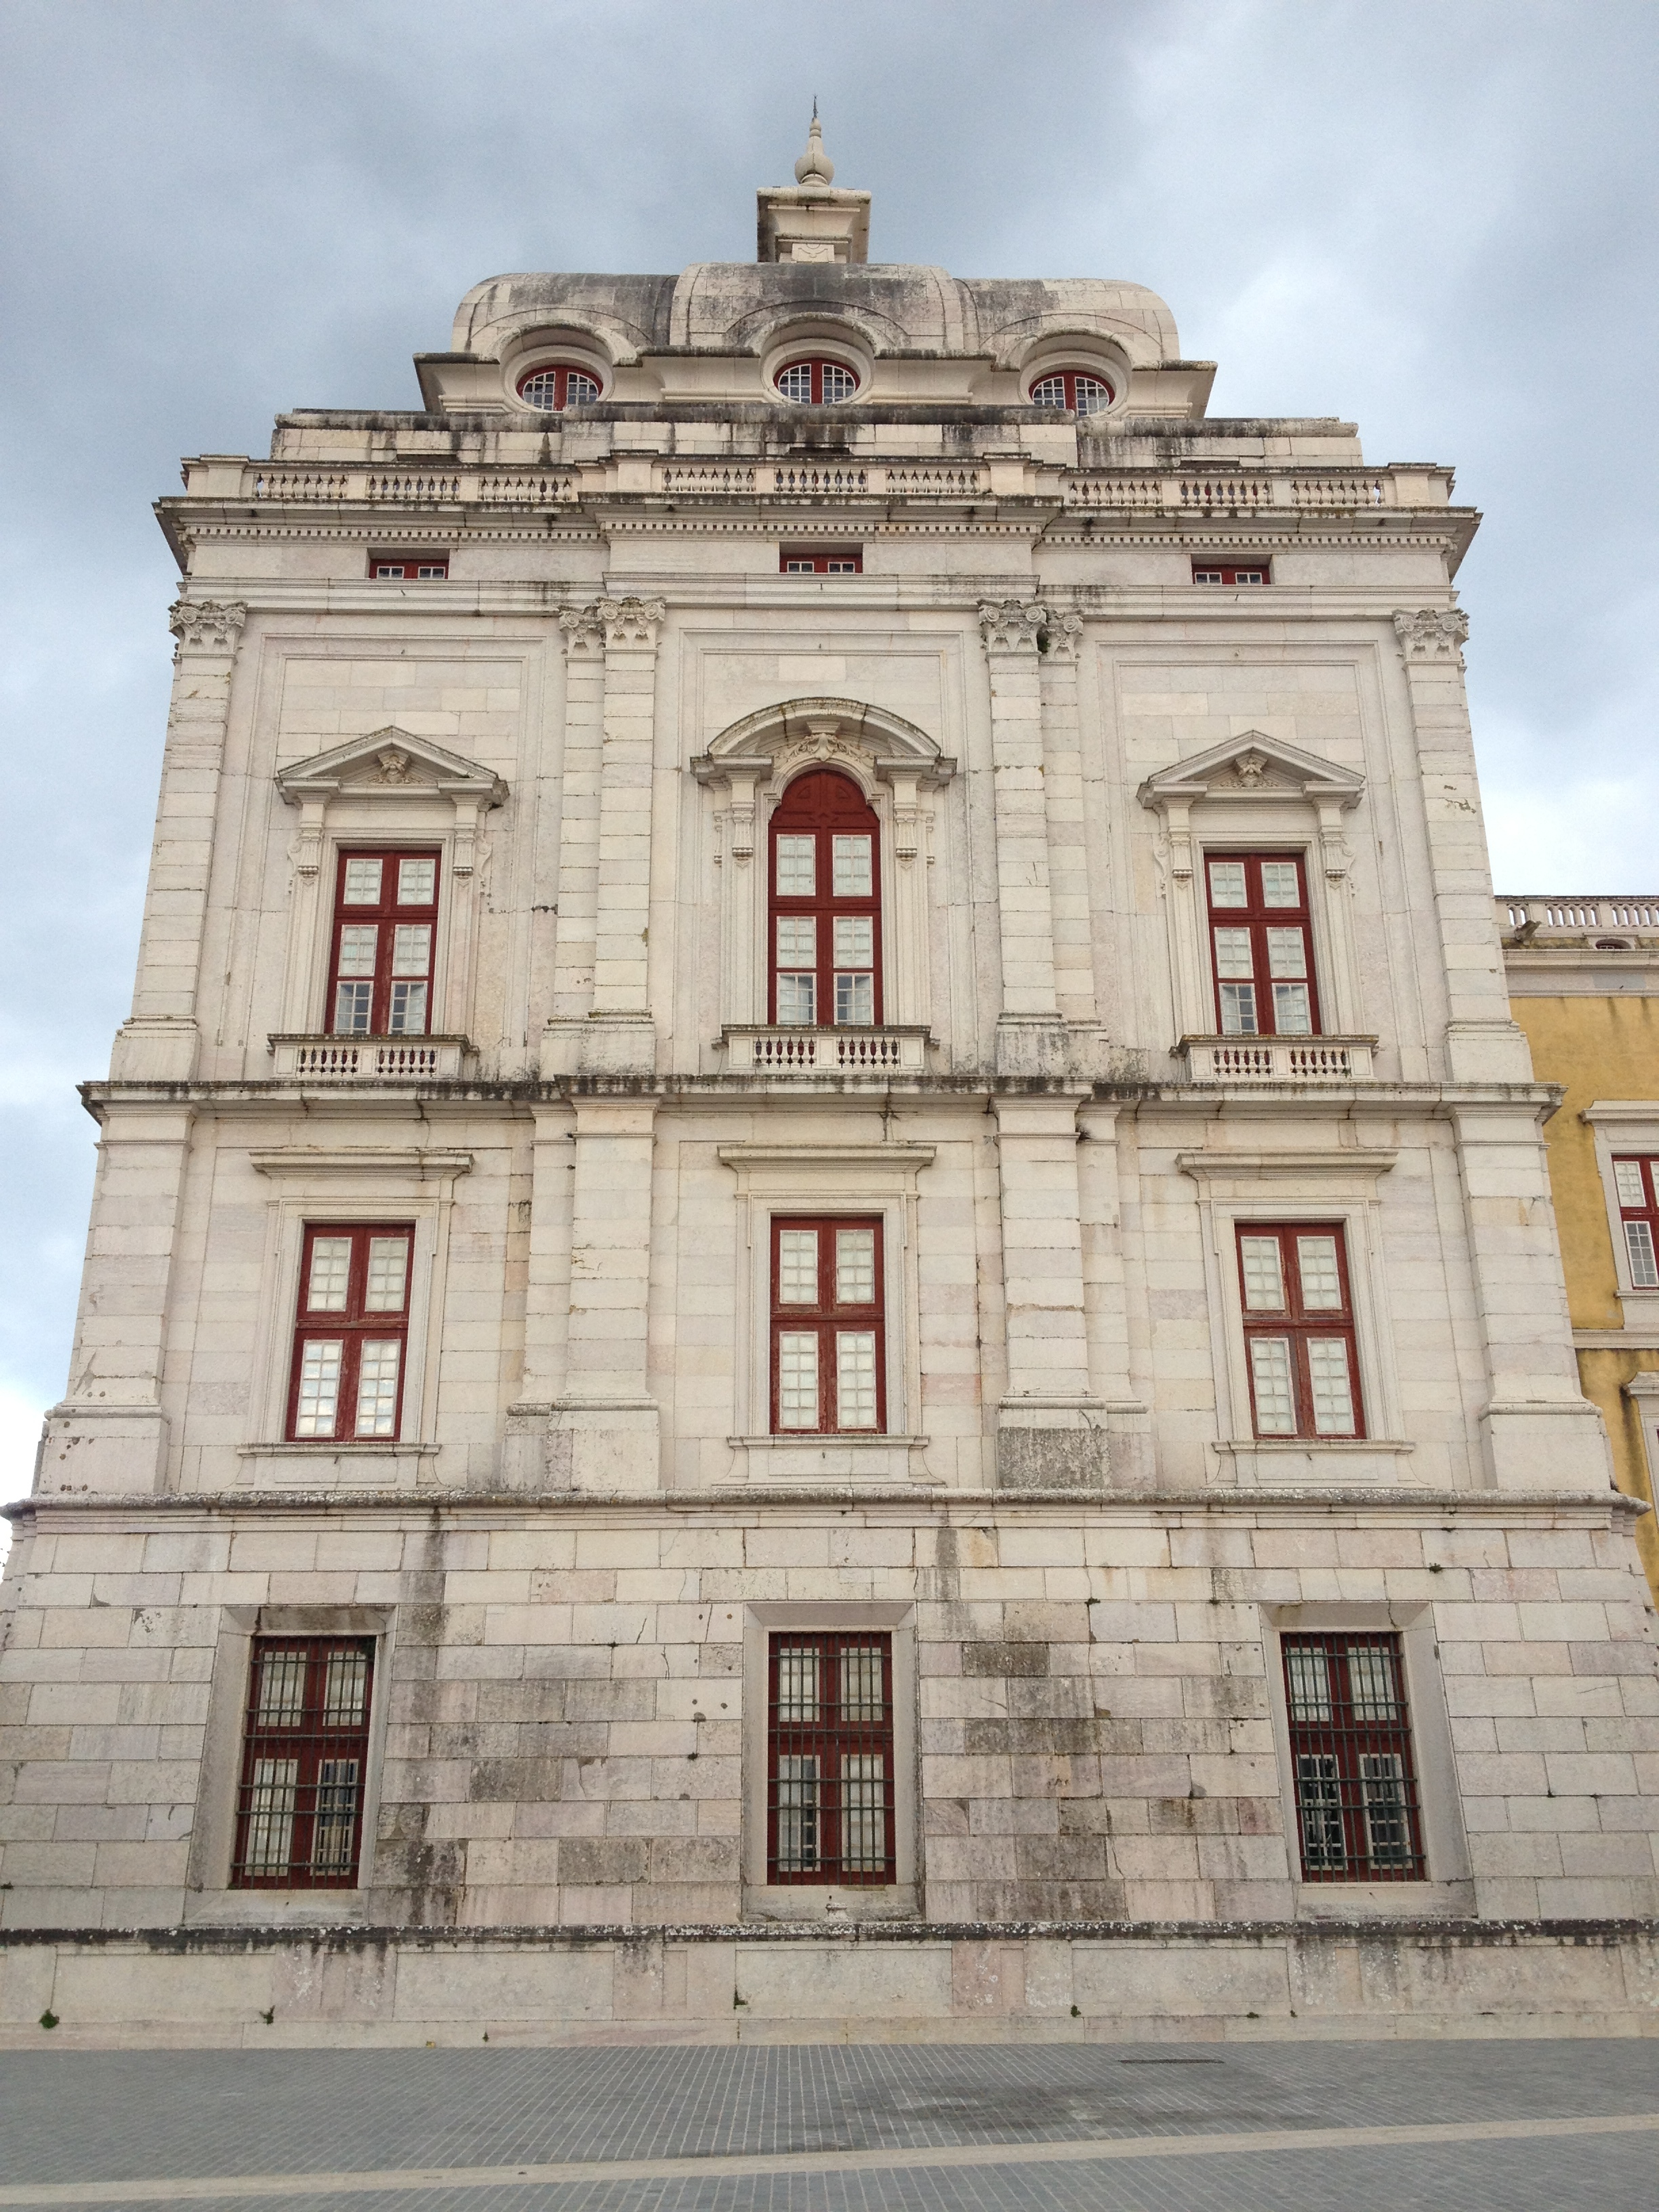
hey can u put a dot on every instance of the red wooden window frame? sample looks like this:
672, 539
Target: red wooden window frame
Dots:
1067, 380
354, 1279
1636, 1185
1358, 1814
305, 1763
1304, 1327
822, 805
811, 561
1267, 951
815, 365
414, 568
829, 1811
561, 372
1232, 572
392, 963
825, 1320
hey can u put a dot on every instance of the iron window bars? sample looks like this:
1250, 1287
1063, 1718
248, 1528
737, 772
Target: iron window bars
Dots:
304, 1756
1357, 1807
829, 1759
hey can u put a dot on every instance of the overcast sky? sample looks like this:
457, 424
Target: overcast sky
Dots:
1437, 219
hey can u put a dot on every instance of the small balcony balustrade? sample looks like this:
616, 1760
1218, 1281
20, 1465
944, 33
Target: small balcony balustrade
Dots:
1277, 1059
368, 1058
790, 1051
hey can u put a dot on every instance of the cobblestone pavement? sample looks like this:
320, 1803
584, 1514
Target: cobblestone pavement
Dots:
1457, 2127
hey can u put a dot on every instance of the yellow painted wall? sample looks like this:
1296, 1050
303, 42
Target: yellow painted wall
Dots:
1597, 1047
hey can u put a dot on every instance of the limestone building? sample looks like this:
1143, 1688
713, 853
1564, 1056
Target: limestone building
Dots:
822, 1283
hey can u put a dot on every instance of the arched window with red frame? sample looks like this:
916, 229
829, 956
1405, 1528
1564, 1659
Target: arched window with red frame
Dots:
558, 384
816, 383
824, 920
1074, 388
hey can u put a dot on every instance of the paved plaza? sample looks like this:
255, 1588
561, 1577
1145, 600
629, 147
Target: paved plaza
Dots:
1491, 2126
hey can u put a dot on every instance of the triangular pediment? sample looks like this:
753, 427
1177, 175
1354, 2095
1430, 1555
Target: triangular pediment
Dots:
1252, 765
387, 762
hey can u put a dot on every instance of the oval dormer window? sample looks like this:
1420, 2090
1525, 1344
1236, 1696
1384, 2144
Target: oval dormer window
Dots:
556, 386
816, 383
1066, 387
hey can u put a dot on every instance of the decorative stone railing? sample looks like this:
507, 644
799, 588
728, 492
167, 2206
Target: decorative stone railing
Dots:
1523, 919
825, 1052
367, 1059
1277, 1059
1225, 491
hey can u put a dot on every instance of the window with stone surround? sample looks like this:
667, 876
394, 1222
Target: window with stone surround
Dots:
385, 917
1358, 1814
305, 1760
557, 384
823, 921
351, 1338
1071, 388
1261, 944
816, 383
1299, 1340
1636, 1184
829, 1357
1231, 572
805, 561
408, 569
830, 1761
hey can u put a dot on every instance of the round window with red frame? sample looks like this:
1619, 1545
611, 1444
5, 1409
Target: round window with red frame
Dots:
1084, 393
557, 384
814, 383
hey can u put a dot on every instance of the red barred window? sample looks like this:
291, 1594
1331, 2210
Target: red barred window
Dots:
1357, 1807
824, 920
413, 568
1262, 946
1298, 1331
351, 1338
385, 915
802, 560
828, 1364
1228, 572
1639, 1216
829, 1759
305, 1756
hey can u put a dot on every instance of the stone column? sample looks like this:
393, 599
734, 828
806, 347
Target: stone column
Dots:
109, 1435
1483, 1044
159, 1042
1050, 1427
1030, 1039
604, 1423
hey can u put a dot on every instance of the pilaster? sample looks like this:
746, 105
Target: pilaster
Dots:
547, 1302
604, 1423
579, 835
1030, 1038
159, 1042
1050, 1425
1483, 1044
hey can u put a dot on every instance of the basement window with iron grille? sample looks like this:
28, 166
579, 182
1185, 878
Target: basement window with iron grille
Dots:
304, 1756
1356, 1807
829, 1759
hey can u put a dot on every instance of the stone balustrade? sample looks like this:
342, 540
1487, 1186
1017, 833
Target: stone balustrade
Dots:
367, 1059
825, 1052
1277, 1059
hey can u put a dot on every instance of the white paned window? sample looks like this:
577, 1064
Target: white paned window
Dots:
1373, 1682
330, 1277
1270, 1371
1332, 1387
362, 883
334, 1831
863, 1813
1308, 1679
320, 1386
345, 1688
797, 874
798, 1379
1227, 884
797, 1002
798, 1684
855, 1378
797, 1798
1281, 883
1388, 1830
273, 1793
417, 881
377, 1387
1264, 1279
1321, 1277
282, 1698
1627, 1178
1643, 1263
855, 1265
388, 1274
852, 866
861, 1675
798, 1267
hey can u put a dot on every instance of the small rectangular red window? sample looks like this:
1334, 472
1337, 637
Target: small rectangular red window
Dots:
1231, 572
1261, 944
412, 569
351, 1335
805, 561
829, 1759
1638, 1187
305, 1756
1358, 1815
385, 915
828, 1364
1298, 1330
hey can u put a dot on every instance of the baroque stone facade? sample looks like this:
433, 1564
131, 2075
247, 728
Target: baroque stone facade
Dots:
655, 553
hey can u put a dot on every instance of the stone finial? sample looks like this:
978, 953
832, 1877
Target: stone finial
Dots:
815, 167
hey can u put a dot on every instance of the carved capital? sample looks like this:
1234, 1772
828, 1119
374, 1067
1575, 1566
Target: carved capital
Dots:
631, 622
1064, 634
1431, 633
1011, 625
207, 625
582, 627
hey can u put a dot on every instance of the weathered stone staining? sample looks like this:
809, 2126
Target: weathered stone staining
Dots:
1168, 1360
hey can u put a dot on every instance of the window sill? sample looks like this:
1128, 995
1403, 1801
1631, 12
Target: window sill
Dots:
274, 1908
832, 1459
798, 1902
389, 1465
1277, 1059
1272, 1462
1384, 1900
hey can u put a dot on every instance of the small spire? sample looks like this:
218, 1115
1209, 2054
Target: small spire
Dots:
815, 167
